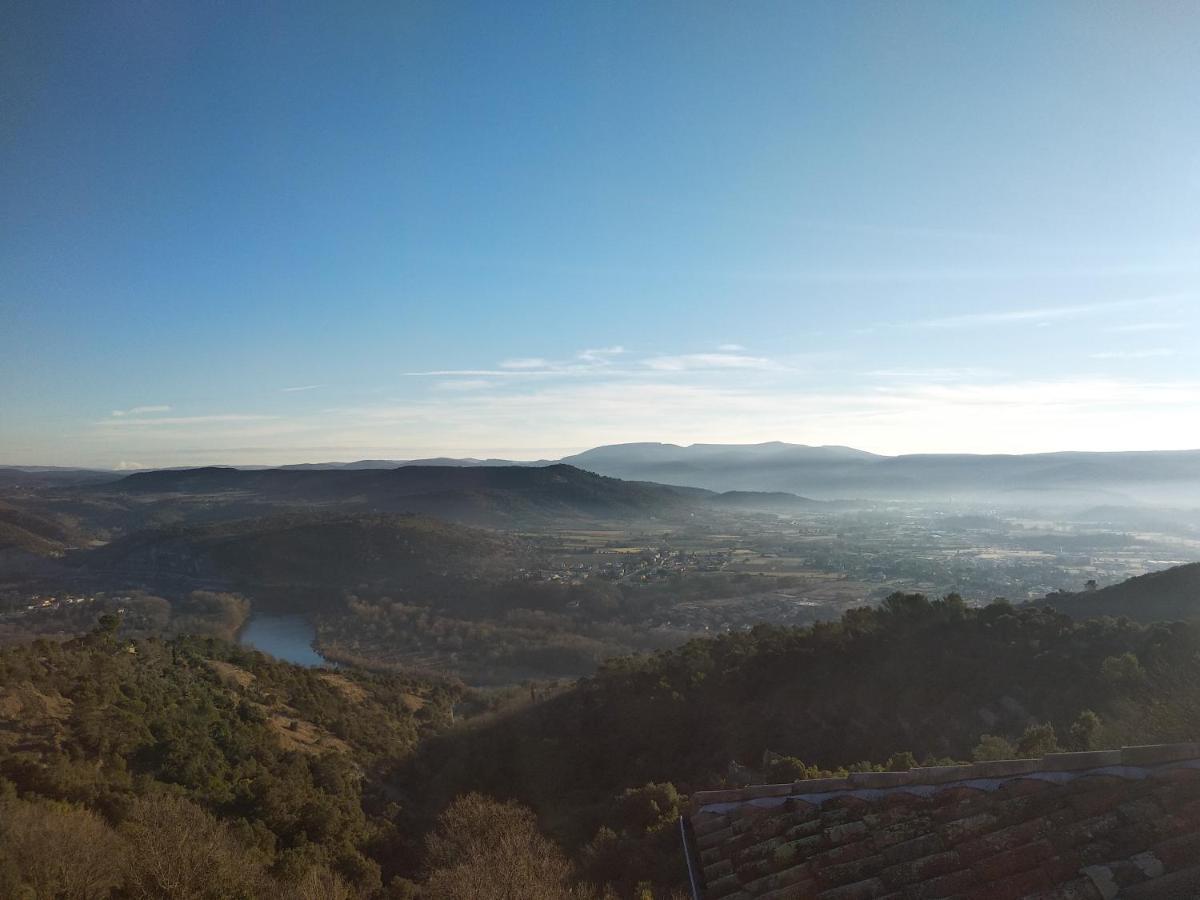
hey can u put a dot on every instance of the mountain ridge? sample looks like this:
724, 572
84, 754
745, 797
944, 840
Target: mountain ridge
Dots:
477, 495
835, 472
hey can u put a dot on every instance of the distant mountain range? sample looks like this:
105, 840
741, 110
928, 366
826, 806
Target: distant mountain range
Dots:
1078, 479
843, 472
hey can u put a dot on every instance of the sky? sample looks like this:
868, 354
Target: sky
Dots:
276, 233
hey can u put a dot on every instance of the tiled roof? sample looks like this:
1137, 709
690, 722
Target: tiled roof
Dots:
1070, 826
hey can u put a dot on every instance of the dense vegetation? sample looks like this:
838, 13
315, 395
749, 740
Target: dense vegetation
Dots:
141, 614
203, 770
312, 554
1159, 596
913, 681
155, 738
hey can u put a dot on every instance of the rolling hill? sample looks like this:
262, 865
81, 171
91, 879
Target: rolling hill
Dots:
1167, 596
302, 555
491, 495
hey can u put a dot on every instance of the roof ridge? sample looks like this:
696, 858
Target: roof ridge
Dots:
1149, 754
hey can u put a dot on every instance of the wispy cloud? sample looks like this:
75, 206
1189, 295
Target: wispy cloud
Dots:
691, 362
303, 387
485, 373
141, 410
937, 375
600, 355
893, 411
465, 384
598, 364
1133, 354
1040, 314
993, 416
1137, 327
585, 362
160, 421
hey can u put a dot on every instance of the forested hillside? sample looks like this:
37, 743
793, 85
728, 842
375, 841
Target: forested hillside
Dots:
356, 784
260, 775
496, 496
306, 553
916, 681
1156, 597
31, 533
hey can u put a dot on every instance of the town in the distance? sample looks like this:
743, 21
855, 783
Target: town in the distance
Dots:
407, 675
581, 564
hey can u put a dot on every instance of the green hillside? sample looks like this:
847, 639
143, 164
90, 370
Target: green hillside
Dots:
281, 762
930, 679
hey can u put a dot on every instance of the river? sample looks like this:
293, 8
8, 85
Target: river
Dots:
287, 637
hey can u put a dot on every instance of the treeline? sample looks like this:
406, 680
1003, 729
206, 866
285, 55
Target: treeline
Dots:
502, 646
512, 630
141, 614
913, 682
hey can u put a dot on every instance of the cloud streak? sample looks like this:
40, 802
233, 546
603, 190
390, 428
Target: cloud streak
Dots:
1040, 314
141, 410
609, 395
1158, 352
693, 362
162, 421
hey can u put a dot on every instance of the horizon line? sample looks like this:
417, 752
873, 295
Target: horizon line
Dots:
135, 467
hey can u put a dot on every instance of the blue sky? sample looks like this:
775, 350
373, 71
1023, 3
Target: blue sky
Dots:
335, 231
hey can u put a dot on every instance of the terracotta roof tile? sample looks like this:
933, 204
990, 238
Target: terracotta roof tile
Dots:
1067, 827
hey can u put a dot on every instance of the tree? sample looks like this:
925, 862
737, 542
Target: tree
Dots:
180, 852
900, 604
1124, 670
901, 762
482, 848
635, 852
991, 748
1084, 729
648, 807
1037, 741
318, 883
56, 850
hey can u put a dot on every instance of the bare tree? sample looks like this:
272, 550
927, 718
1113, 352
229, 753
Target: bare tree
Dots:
487, 850
180, 852
61, 851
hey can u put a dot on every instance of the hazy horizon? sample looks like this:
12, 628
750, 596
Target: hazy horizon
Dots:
254, 238
398, 455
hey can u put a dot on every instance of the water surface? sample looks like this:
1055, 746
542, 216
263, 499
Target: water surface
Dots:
287, 637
